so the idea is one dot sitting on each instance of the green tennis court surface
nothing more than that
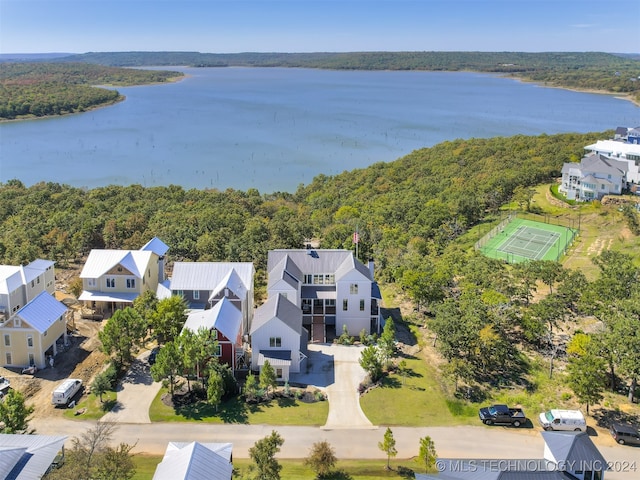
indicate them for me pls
(520, 240)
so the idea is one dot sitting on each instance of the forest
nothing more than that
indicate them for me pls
(42, 89)
(66, 85)
(418, 218)
(580, 70)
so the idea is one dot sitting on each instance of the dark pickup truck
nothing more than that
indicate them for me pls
(503, 415)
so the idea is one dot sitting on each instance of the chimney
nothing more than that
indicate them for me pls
(370, 265)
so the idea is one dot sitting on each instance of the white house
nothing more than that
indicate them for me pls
(196, 461)
(277, 335)
(113, 279)
(25, 457)
(567, 456)
(204, 284)
(594, 177)
(332, 288)
(621, 150)
(32, 321)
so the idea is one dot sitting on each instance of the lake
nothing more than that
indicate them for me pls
(275, 128)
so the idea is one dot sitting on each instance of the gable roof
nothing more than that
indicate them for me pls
(10, 278)
(287, 271)
(156, 246)
(100, 262)
(310, 261)
(600, 164)
(41, 312)
(35, 269)
(233, 282)
(195, 461)
(192, 276)
(224, 316)
(25, 457)
(574, 448)
(278, 306)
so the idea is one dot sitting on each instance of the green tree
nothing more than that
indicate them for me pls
(251, 388)
(321, 459)
(146, 305)
(123, 334)
(169, 317)
(370, 362)
(387, 342)
(168, 365)
(215, 388)
(14, 414)
(101, 384)
(586, 377)
(116, 463)
(268, 377)
(427, 454)
(388, 446)
(263, 454)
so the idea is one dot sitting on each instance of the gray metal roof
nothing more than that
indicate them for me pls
(233, 282)
(601, 164)
(207, 276)
(26, 457)
(41, 312)
(195, 461)
(277, 358)
(224, 316)
(310, 261)
(574, 448)
(35, 269)
(279, 307)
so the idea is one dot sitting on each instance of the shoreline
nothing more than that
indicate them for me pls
(121, 98)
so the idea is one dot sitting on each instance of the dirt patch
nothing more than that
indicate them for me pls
(82, 359)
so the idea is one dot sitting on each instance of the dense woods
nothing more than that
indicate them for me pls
(415, 217)
(580, 70)
(41, 89)
(65, 85)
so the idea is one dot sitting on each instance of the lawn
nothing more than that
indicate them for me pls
(279, 411)
(294, 468)
(94, 409)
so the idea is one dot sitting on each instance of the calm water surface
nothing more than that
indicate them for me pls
(273, 129)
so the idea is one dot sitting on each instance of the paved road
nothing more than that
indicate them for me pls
(335, 369)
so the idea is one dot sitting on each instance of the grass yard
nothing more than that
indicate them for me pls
(294, 468)
(279, 411)
(94, 409)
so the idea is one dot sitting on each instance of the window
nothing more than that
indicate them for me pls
(32, 360)
(9, 359)
(362, 304)
(91, 282)
(38, 281)
(308, 279)
(275, 342)
(196, 294)
(131, 283)
(33, 283)
(329, 279)
(345, 304)
(179, 293)
(30, 341)
(278, 373)
(353, 289)
(7, 340)
(306, 306)
(330, 302)
(111, 282)
(218, 352)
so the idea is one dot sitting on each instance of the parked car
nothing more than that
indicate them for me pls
(4, 384)
(624, 433)
(503, 415)
(63, 394)
(153, 355)
(567, 420)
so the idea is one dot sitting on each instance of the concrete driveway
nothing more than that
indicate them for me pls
(336, 370)
(136, 391)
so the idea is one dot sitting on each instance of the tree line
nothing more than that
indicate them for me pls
(41, 89)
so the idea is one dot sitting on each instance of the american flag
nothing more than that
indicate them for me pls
(356, 237)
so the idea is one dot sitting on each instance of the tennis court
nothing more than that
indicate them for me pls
(517, 240)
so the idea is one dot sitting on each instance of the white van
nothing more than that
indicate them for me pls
(571, 420)
(63, 394)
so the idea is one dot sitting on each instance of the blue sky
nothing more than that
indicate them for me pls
(218, 26)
